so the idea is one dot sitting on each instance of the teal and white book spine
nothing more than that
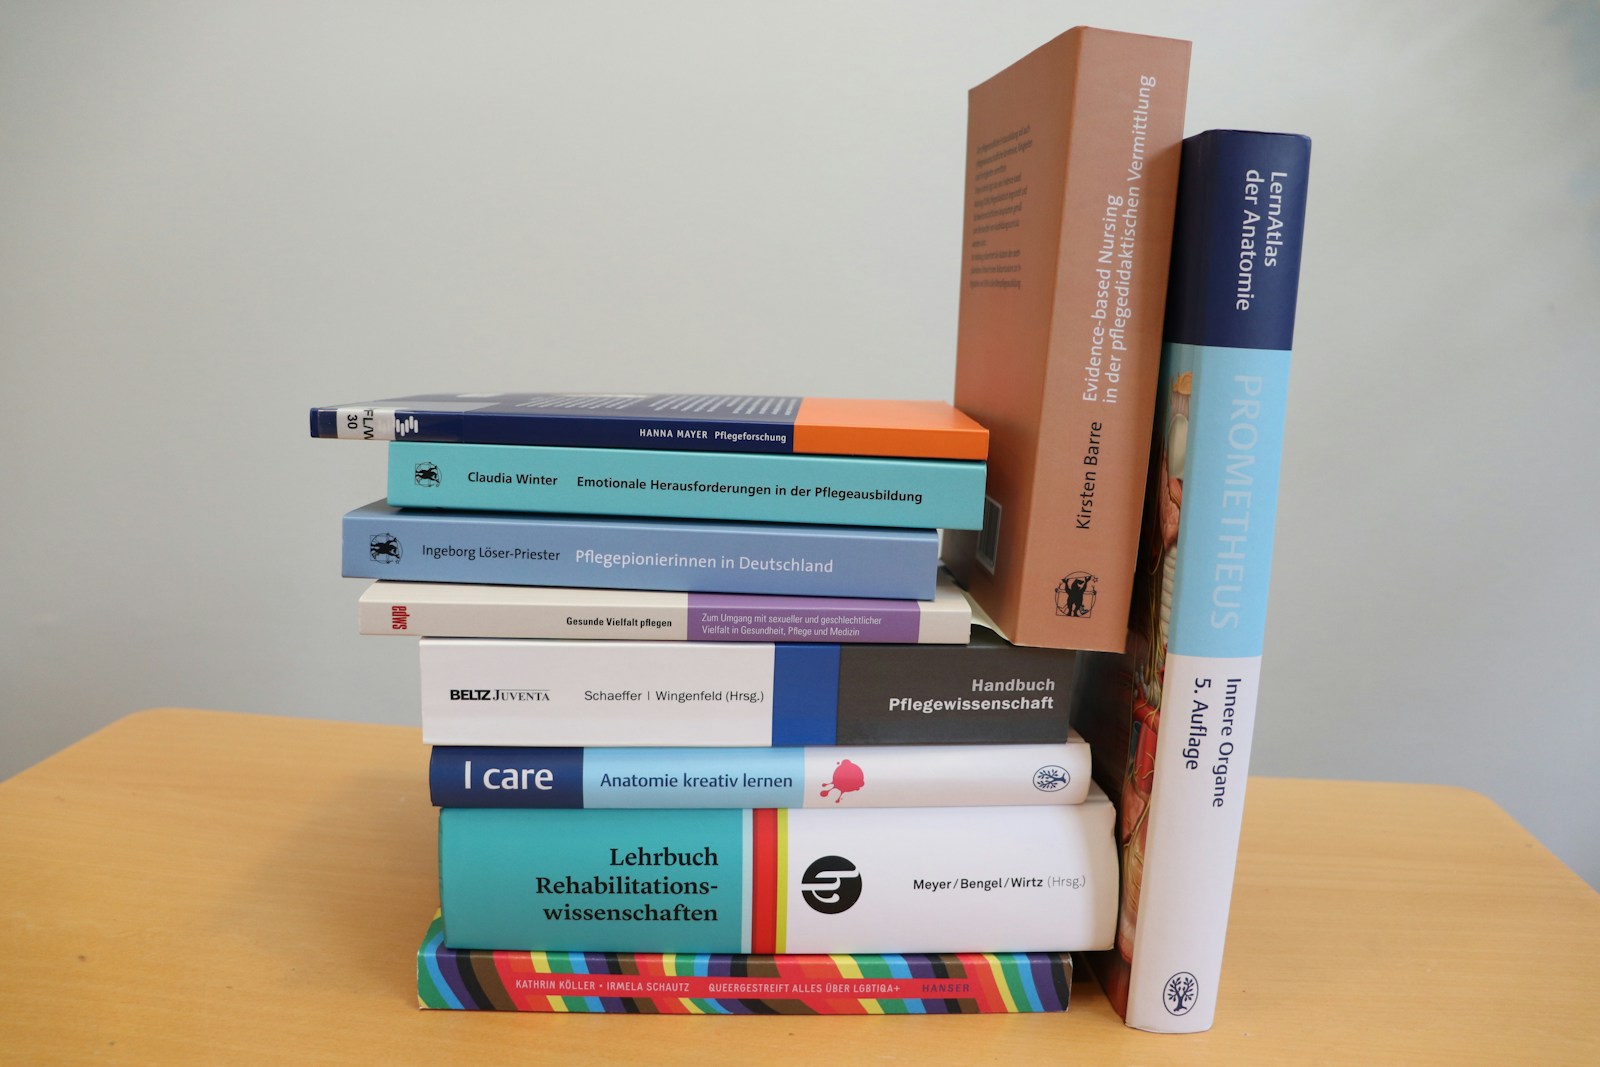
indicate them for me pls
(1038, 878)
(821, 490)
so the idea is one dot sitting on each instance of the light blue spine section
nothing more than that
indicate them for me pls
(1230, 497)
(693, 777)
(831, 490)
(579, 962)
(611, 553)
(430, 952)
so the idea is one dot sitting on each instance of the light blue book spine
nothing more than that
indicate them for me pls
(605, 553)
(831, 490)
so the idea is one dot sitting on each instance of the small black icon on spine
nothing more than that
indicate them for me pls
(384, 548)
(427, 474)
(831, 885)
(1076, 594)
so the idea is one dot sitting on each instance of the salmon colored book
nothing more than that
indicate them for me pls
(1072, 175)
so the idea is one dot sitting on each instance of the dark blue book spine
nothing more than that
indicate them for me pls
(373, 424)
(520, 777)
(1236, 264)
(697, 434)
(713, 424)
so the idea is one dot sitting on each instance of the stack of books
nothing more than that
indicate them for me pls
(694, 754)
(862, 805)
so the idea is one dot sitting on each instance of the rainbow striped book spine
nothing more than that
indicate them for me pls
(643, 983)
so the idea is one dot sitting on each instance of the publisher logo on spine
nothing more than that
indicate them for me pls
(1178, 996)
(427, 474)
(1051, 779)
(1076, 594)
(384, 548)
(536, 695)
(831, 885)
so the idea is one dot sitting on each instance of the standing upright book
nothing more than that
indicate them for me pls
(698, 422)
(1072, 173)
(1194, 650)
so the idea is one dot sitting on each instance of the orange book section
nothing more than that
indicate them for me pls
(926, 429)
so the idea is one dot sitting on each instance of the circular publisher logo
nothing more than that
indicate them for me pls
(1051, 779)
(1180, 993)
(1076, 594)
(831, 885)
(384, 548)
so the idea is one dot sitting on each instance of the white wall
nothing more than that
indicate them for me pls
(215, 216)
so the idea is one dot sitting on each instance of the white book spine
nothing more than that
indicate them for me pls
(560, 693)
(1192, 841)
(1025, 878)
(443, 609)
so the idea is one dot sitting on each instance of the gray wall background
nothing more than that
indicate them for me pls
(213, 216)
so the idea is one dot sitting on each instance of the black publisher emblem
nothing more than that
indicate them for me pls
(831, 885)
(384, 548)
(1076, 594)
(1180, 993)
(427, 474)
(1051, 779)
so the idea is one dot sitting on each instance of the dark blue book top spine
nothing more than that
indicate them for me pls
(492, 427)
(439, 426)
(515, 420)
(1236, 240)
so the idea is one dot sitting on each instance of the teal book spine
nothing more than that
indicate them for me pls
(1037, 878)
(753, 487)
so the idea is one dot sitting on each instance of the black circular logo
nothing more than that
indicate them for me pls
(384, 548)
(1076, 594)
(1180, 993)
(831, 885)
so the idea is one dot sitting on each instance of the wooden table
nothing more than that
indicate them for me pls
(223, 888)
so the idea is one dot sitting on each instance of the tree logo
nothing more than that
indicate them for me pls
(1051, 778)
(831, 885)
(1180, 993)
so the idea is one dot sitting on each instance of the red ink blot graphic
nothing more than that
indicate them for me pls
(847, 778)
